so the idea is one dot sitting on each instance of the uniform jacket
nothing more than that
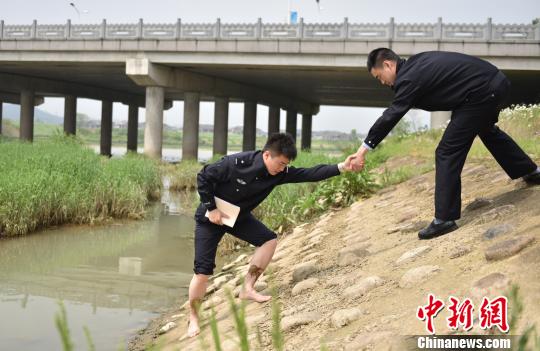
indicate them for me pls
(242, 179)
(436, 81)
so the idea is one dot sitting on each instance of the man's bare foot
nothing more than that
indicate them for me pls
(193, 328)
(253, 295)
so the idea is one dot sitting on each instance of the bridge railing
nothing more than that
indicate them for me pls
(268, 31)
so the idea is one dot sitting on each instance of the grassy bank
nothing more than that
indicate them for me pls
(171, 138)
(60, 181)
(522, 123)
(291, 204)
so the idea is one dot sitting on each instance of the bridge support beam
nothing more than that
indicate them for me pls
(133, 128)
(250, 126)
(70, 114)
(439, 119)
(26, 131)
(15, 98)
(143, 72)
(190, 131)
(47, 87)
(221, 125)
(273, 119)
(153, 130)
(292, 117)
(106, 128)
(306, 131)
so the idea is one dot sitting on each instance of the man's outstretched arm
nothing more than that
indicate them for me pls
(403, 101)
(317, 173)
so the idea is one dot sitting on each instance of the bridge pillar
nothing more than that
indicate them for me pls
(221, 125)
(250, 126)
(133, 128)
(292, 117)
(106, 127)
(70, 114)
(190, 131)
(153, 129)
(439, 119)
(26, 131)
(1, 117)
(273, 119)
(306, 131)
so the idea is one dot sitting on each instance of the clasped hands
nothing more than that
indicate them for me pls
(356, 161)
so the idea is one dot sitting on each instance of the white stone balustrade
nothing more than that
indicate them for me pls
(266, 31)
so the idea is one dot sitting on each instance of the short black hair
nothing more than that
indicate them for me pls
(377, 56)
(281, 144)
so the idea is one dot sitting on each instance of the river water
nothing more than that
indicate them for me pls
(111, 278)
(168, 154)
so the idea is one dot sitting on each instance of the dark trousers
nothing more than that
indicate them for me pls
(468, 121)
(208, 235)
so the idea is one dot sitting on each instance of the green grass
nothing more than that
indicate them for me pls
(522, 123)
(171, 138)
(63, 328)
(529, 340)
(291, 204)
(59, 181)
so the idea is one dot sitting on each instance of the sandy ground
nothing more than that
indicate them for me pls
(367, 263)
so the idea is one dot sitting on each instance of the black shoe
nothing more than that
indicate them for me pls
(532, 179)
(434, 230)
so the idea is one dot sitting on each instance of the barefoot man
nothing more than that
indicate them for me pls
(244, 179)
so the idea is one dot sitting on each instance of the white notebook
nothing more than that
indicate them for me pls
(229, 209)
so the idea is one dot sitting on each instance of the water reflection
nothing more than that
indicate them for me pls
(112, 278)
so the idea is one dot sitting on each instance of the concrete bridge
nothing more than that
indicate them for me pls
(292, 67)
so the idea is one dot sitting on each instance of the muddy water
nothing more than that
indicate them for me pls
(111, 278)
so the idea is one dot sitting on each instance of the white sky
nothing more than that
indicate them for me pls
(167, 11)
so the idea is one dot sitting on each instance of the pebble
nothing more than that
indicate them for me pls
(417, 275)
(459, 251)
(363, 287)
(343, 317)
(359, 250)
(345, 278)
(304, 285)
(498, 230)
(412, 254)
(219, 281)
(290, 322)
(490, 284)
(167, 327)
(478, 203)
(303, 270)
(497, 212)
(348, 259)
(507, 248)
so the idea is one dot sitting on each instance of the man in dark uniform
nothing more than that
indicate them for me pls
(474, 90)
(245, 180)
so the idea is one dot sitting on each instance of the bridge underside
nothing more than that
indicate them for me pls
(319, 86)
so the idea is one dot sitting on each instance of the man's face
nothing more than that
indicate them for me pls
(386, 73)
(274, 163)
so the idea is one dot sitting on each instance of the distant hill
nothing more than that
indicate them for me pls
(9, 129)
(13, 112)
